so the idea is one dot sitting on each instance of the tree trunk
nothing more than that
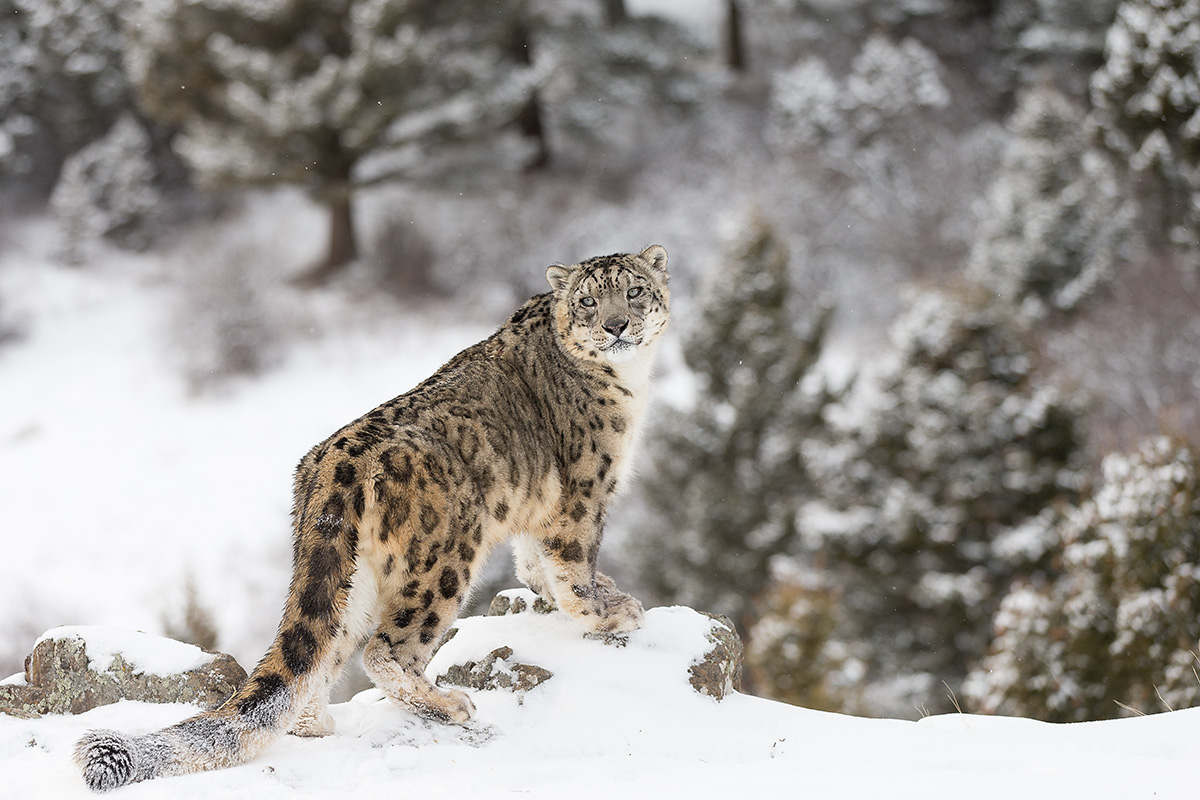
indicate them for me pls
(615, 11)
(530, 123)
(529, 120)
(343, 246)
(735, 37)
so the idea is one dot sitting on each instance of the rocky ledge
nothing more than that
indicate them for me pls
(705, 647)
(75, 669)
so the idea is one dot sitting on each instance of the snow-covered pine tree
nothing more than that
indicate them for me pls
(328, 96)
(608, 78)
(795, 651)
(889, 84)
(107, 190)
(726, 476)
(1060, 38)
(61, 84)
(1118, 628)
(959, 32)
(928, 496)
(1055, 222)
(1147, 104)
(881, 143)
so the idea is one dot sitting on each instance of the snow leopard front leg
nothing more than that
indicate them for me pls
(560, 566)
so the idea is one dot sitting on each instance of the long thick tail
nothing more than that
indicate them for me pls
(296, 671)
(110, 758)
(282, 688)
(262, 710)
(291, 681)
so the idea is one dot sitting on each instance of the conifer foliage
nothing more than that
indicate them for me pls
(796, 651)
(931, 495)
(61, 83)
(607, 80)
(107, 190)
(727, 474)
(1118, 629)
(1056, 223)
(329, 96)
(1062, 40)
(889, 84)
(1147, 100)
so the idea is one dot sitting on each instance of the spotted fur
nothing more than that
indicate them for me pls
(525, 436)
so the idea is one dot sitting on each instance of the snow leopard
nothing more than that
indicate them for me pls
(524, 437)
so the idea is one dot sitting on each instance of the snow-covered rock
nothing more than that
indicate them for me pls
(495, 671)
(76, 669)
(708, 654)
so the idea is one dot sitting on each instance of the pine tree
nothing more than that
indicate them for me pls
(329, 96)
(727, 475)
(795, 652)
(107, 190)
(889, 84)
(607, 79)
(930, 496)
(878, 141)
(1118, 629)
(1060, 39)
(1147, 103)
(62, 85)
(1055, 223)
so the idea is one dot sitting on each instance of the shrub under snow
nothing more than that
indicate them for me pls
(1119, 627)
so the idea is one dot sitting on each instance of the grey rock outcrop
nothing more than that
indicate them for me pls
(512, 602)
(494, 671)
(62, 678)
(719, 672)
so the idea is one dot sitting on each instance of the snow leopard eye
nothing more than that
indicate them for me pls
(588, 302)
(633, 292)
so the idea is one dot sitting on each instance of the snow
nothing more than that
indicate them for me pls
(703, 18)
(141, 651)
(624, 721)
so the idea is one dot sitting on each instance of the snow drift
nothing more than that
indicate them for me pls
(623, 719)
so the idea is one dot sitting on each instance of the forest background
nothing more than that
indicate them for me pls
(927, 428)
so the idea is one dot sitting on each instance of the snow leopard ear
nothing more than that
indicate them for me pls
(558, 276)
(655, 257)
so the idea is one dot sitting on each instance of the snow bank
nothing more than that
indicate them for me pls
(622, 720)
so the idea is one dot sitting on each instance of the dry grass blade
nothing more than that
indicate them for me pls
(953, 697)
(1130, 709)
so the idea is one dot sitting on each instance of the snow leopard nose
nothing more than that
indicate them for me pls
(615, 325)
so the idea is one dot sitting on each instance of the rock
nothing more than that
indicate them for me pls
(719, 672)
(19, 700)
(494, 672)
(708, 657)
(72, 670)
(515, 601)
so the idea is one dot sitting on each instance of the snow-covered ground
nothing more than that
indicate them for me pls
(623, 721)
